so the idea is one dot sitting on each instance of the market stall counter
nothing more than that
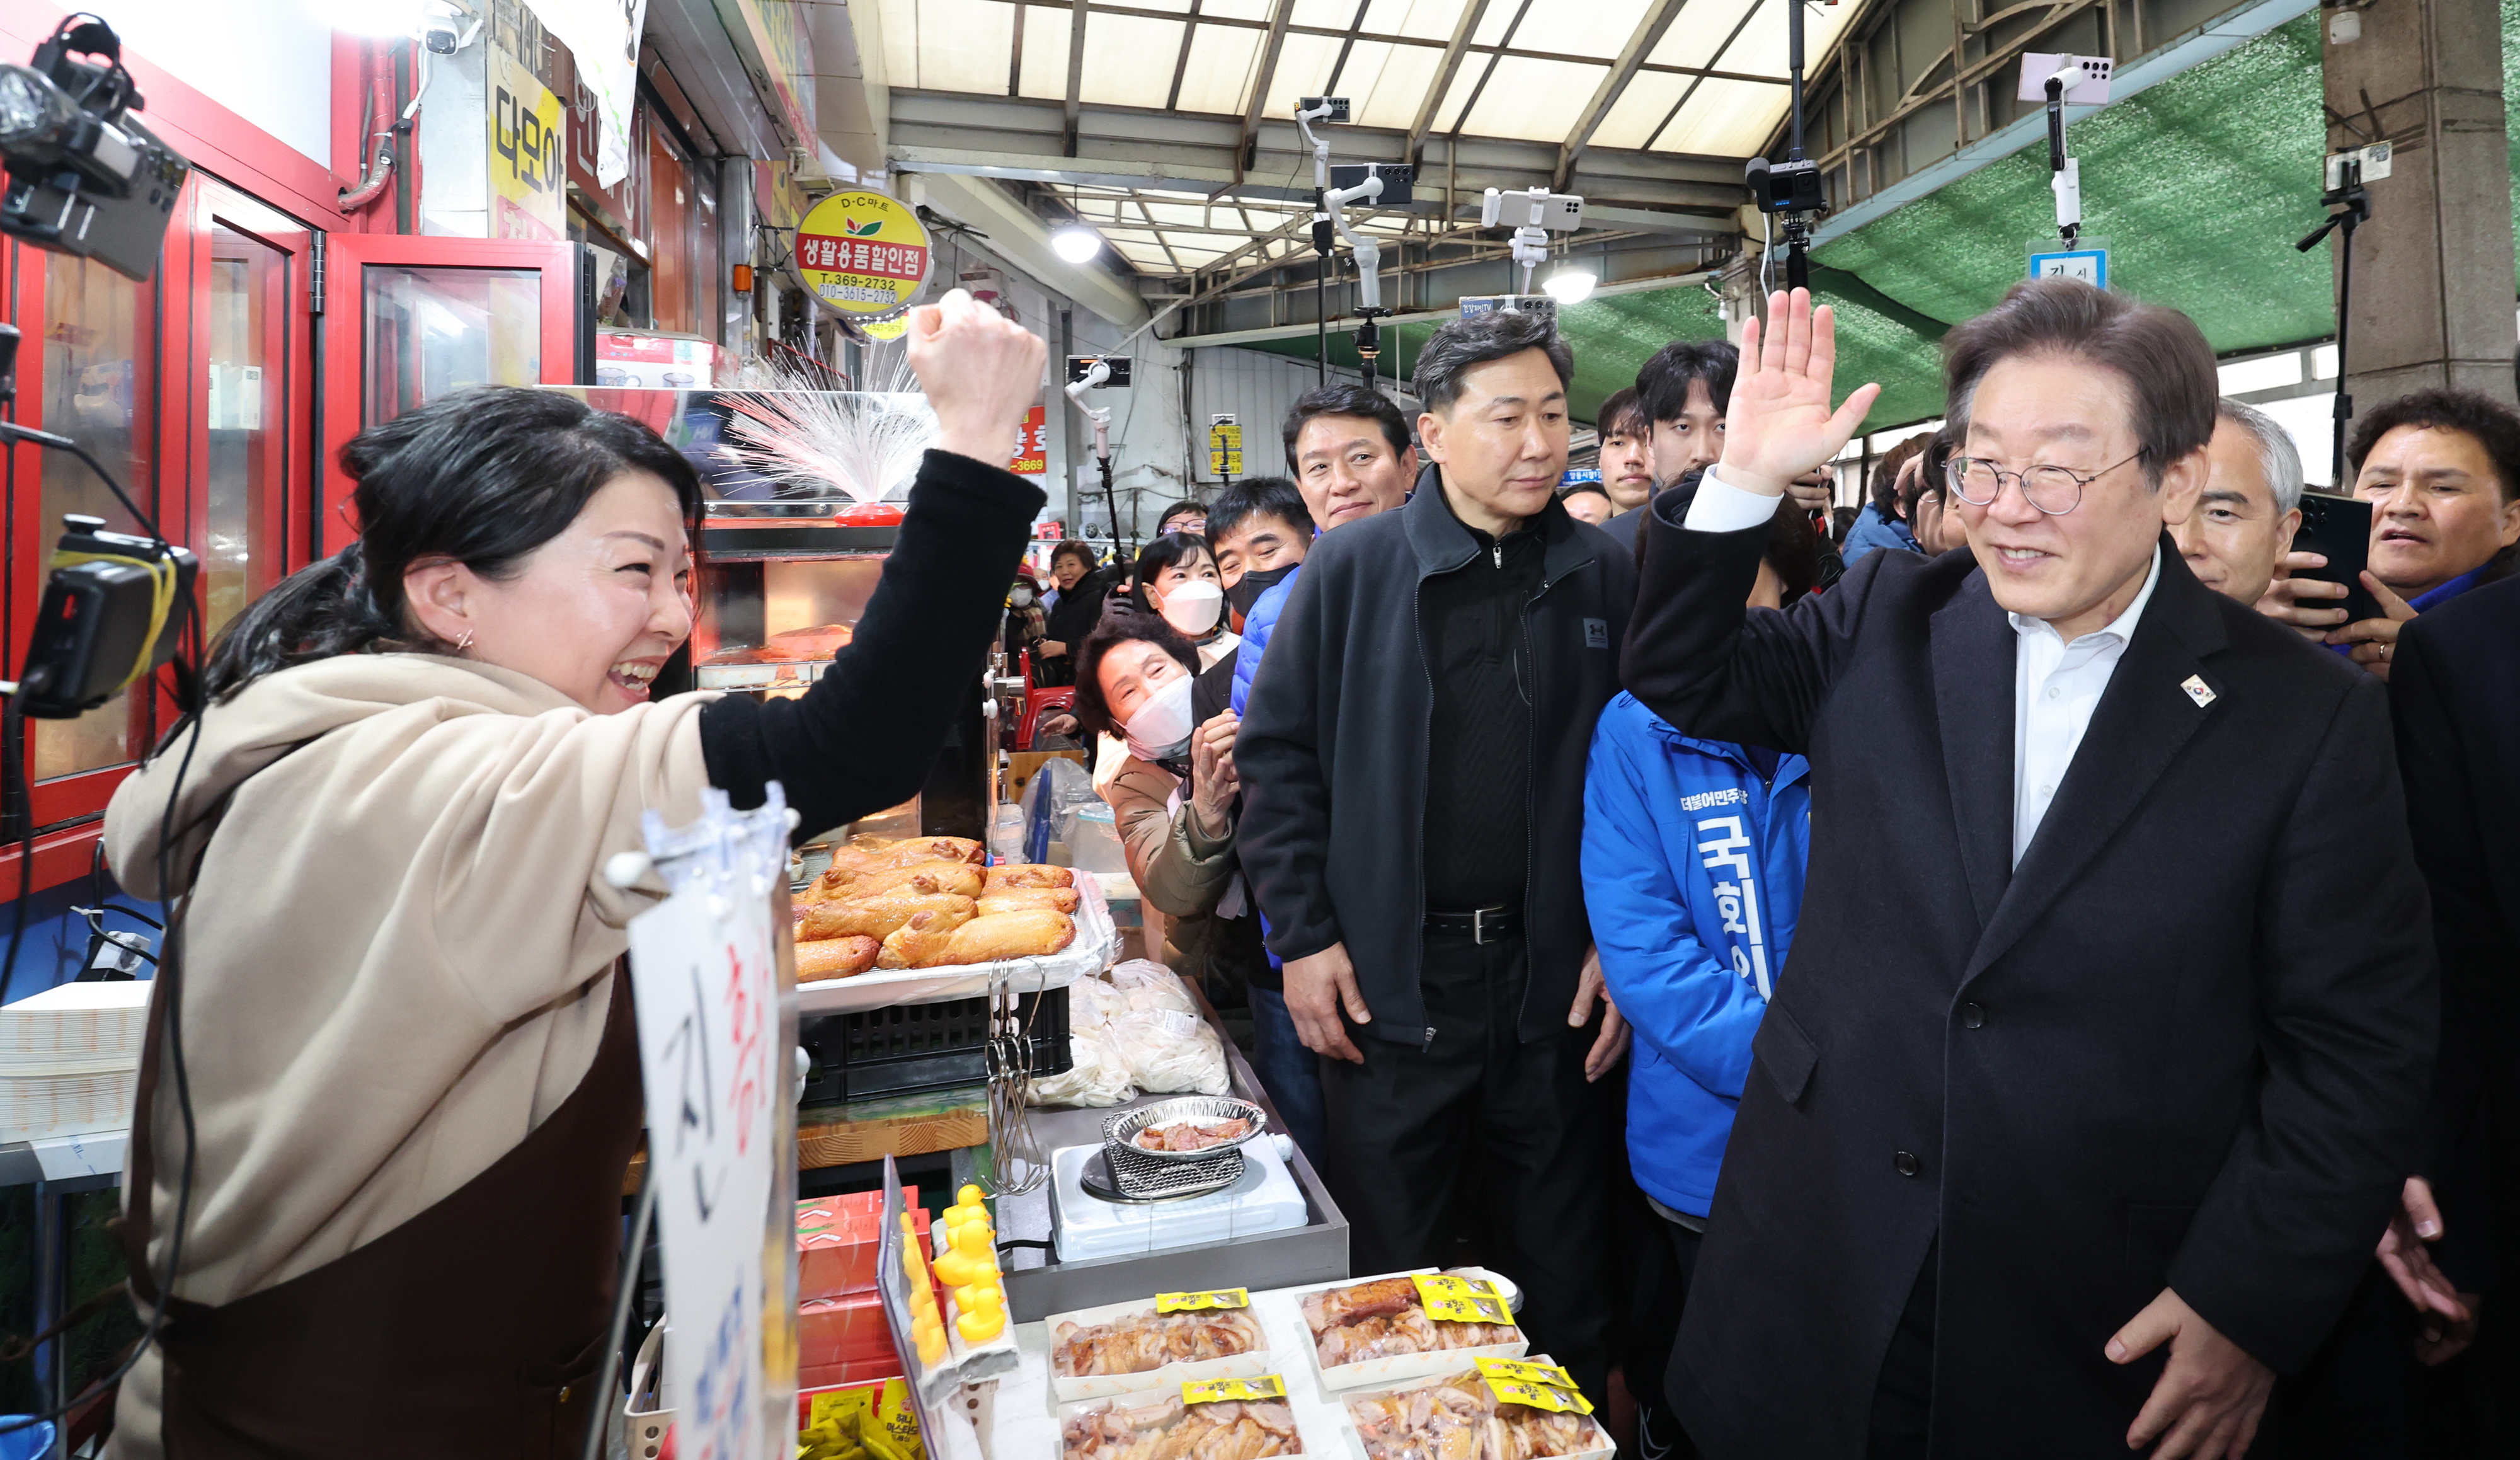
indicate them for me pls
(1271, 1225)
(1399, 1382)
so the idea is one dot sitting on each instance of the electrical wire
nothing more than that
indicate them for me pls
(168, 992)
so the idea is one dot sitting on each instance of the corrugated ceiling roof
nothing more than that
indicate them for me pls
(2201, 184)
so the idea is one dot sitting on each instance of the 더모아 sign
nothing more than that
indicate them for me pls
(706, 983)
(862, 253)
(528, 153)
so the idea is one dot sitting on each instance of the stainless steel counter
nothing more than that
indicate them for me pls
(1037, 1284)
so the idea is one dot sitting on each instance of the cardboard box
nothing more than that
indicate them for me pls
(1603, 1448)
(836, 1242)
(848, 1330)
(1069, 1388)
(1395, 1368)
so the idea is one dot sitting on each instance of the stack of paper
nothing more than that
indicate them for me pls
(70, 1059)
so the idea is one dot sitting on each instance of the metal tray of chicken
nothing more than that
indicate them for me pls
(1125, 1128)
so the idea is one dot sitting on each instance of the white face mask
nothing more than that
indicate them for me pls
(1160, 729)
(1023, 598)
(1193, 607)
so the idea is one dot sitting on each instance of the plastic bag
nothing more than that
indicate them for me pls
(1100, 1073)
(1169, 1048)
(1170, 1052)
(1149, 986)
(1099, 1076)
(1057, 790)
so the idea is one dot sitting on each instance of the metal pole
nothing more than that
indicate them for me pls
(2344, 322)
(1794, 65)
(52, 1261)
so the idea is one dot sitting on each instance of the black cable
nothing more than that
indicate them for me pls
(16, 800)
(633, 1252)
(169, 980)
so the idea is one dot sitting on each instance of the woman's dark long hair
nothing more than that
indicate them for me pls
(480, 476)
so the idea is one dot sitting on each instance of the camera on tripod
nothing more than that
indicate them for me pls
(85, 177)
(1791, 186)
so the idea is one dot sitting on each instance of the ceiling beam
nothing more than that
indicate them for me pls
(1075, 73)
(1279, 16)
(1674, 113)
(1453, 49)
(2188, 48)
(1181, 63)
(1023, 239)
(1692, 280)
(1657, 18)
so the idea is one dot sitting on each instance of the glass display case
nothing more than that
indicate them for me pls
(789, 559)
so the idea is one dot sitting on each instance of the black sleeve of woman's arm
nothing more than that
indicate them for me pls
(864, 736)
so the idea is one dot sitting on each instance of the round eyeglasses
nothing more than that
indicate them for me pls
(2054, 490)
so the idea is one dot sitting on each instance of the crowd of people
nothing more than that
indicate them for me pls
(2136, 1082)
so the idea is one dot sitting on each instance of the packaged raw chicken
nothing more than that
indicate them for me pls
(1461, 1416)
(1165, 1428)
(1143, 1339)
(1386, 1317)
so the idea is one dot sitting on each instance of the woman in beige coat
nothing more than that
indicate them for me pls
(1172, 797)
(392, 1208)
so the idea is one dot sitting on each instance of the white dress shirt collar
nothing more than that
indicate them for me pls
(2056, 687)
(2122, 626)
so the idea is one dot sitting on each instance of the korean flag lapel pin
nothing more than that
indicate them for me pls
(2197, 689)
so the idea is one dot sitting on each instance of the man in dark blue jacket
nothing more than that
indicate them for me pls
(1413, 764)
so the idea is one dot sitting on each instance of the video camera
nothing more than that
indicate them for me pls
(85, 177)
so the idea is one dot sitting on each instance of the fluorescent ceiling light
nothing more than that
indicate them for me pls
(1076, 242)
(1569, 285)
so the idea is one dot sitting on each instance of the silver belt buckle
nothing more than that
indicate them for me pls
(1479, 926)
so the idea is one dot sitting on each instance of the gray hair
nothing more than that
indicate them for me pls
(2278, 457)
(1464, 344)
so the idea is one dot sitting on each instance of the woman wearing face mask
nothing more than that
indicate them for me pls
(411, 1064)
(1173, 796)
(1177, 582)
(1025, 615)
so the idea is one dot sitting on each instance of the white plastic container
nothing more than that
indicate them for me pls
(1392, 1369)
(1354, 1440)
(1070, 1389)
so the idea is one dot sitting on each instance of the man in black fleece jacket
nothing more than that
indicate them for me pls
(1413, 760)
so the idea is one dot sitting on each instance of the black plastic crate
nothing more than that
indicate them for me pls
(915, 1047)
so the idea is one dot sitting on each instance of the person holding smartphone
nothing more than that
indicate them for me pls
(2441, 471)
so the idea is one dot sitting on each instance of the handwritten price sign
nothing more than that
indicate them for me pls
(704, 980)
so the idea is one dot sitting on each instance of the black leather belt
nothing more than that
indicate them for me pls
(1486, 925)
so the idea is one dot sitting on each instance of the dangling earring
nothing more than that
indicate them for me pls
(464, 643)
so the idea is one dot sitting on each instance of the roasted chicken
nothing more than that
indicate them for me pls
(1029, 875)
(929, 940)
(1001, 898)
(878, 915)
(836, 957)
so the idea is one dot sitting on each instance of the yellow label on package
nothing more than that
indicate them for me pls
(1185, 1302)
(1539, 1386)
(1452, 1300)
(1214, 1390)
